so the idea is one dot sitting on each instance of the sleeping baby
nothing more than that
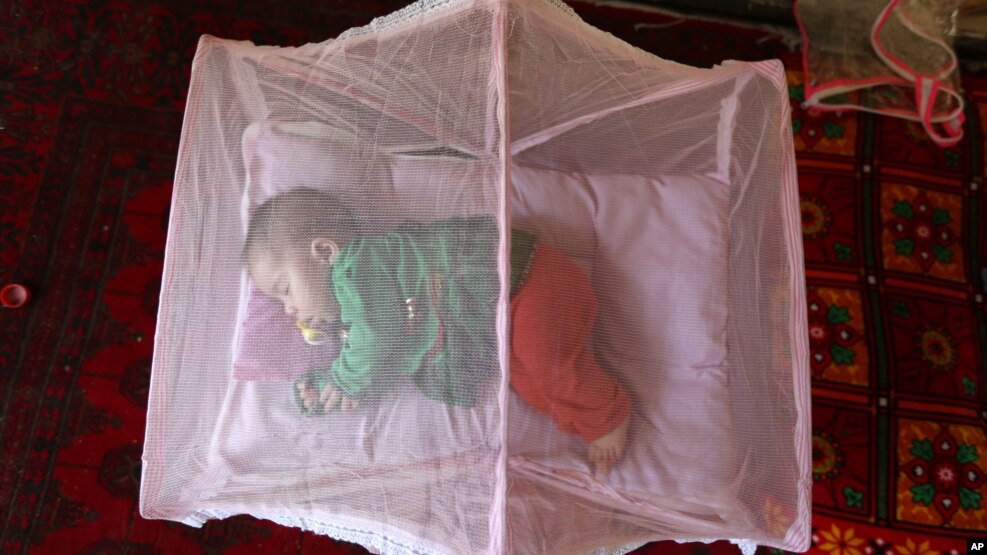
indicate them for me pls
(420, 302)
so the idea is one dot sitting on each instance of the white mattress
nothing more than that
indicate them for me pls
(643, 241)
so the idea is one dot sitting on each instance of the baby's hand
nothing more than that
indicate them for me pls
(307, 394)
(311, 398)
(331, 397)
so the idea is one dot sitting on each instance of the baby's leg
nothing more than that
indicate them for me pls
(552, 368)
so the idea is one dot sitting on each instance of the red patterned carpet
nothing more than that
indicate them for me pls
(91, 99)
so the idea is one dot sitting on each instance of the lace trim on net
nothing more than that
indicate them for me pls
(422, 7)
(399, 17)
(373, 541)
(747, 547)
(383, 545)
(406, 14)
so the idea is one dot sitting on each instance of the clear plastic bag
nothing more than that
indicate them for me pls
(892, 57)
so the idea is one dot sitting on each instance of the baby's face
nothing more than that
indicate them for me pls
(300, 282)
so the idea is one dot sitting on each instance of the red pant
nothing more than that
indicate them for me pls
(552, 368)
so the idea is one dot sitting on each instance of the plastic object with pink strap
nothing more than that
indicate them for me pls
(888, 57)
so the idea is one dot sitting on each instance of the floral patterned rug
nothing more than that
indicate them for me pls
(91, 100)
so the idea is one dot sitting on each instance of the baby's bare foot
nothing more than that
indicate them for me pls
(607, 451)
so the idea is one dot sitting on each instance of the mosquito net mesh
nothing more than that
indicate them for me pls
(480, 278)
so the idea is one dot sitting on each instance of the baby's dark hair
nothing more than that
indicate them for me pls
(286, 220)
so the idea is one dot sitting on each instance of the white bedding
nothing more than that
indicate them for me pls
(643, 241)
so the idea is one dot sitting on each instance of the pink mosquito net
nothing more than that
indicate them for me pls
(480, 278)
